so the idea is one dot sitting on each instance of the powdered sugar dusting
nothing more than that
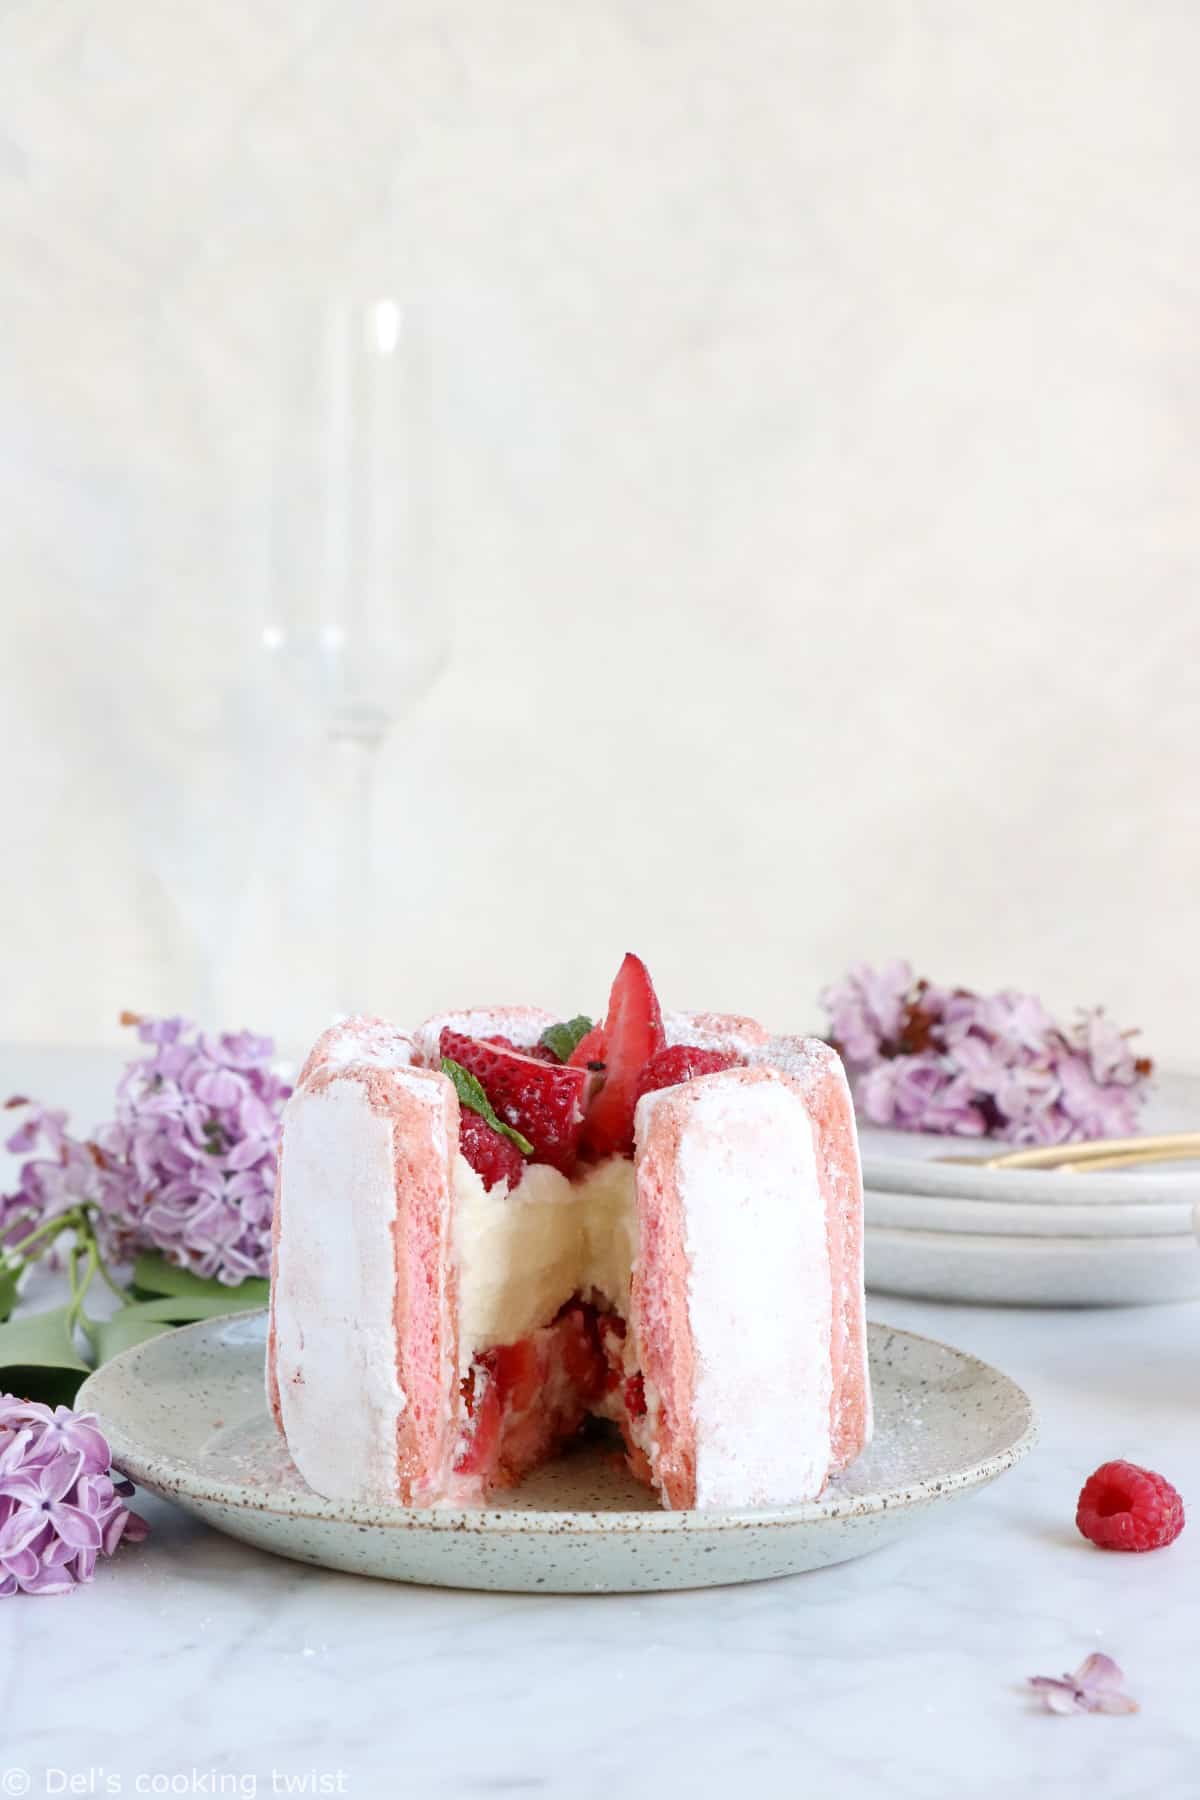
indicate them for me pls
(716, 1031)
(335, 1284)
(359, 1039)
(806, 1059)
(522, 1025)
(760, 1288)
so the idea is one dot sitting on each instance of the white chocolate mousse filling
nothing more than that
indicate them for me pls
(524, 1253)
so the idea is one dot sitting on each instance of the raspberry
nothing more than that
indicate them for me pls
(681, 1063)
(1123, 1507)
(543, 1101)
(633, 1031)
(492, 1156)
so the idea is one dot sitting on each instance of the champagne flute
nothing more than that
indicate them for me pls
(352, 623)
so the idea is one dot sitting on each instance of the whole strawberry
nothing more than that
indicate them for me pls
(542, 1100)
(682, 1062)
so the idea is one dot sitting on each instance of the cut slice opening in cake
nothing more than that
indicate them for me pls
(525, 1401)
(544, 1292)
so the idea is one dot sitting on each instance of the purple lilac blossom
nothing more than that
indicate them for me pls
(1096, 1687)
(187, 1167)
(925, 1058)
(60, 1507)
(67, 1176)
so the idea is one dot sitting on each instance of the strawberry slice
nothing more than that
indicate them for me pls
(543, 1101)
(633, 1032)
(682, 1062)
(492, 1156)
(542, 1053)
(590, 1049)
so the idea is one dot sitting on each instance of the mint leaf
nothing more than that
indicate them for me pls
(565, 1038)
(470, 1093)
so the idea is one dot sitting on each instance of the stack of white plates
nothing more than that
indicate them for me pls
(945, 1231)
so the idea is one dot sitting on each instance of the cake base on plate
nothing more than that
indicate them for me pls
(186, 1418)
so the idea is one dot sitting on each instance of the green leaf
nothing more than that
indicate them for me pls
(146, 1319)
(38, 1357)
(126, 1328)
(40, 1339)
(564, 1039)
(153, 1274)
(8, 1290)
(471, 1094)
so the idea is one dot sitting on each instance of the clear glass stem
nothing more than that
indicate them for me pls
(355, 756)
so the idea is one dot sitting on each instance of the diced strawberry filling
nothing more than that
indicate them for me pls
(523, 1401)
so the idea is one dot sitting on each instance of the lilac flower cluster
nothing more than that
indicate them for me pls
(926, 1058)
(67, 1175)
(59, 1506)
(187, 1167)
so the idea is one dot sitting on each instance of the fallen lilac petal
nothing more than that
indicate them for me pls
(1115, 1703)
(1096, 1686)
(1099, 1671)
(1059, 1696)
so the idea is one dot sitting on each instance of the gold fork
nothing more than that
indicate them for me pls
(1093, 1155)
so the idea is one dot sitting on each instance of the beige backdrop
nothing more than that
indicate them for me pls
(816, 453)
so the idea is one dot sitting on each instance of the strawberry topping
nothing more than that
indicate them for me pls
(633, 1032)
(541, 1052)
(492, 1156)
(590, 1050)
(542, 1100)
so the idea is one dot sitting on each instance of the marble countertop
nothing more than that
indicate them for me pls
(194, 1665)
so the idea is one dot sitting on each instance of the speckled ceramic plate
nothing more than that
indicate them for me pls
(909, 1162)
(186, 1417)
(1032, 1271)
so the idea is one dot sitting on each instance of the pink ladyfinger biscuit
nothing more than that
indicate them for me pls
(819, 1071)
(338, 1044)
(741, 1298)
(717, 1031)
(521, 1025)
(841, 1184)
(362, 1338)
